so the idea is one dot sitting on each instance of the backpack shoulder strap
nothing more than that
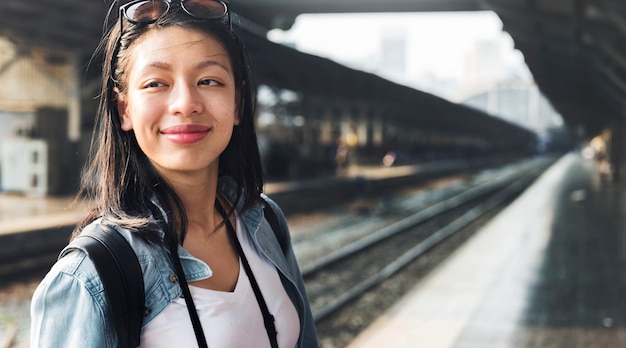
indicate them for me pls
(121, 276)
(272, 219)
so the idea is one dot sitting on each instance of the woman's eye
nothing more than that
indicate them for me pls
(154, 84)
(208, 82)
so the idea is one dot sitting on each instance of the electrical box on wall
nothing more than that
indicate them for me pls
(24, 166)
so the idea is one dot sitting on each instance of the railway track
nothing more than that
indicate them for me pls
(24, 255)
(346, 275)
(337, 306)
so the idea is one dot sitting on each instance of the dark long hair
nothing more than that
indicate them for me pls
(119, 179)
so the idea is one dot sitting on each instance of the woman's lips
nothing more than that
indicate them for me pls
(185, 134)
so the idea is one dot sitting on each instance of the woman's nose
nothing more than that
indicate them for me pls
(184, 100)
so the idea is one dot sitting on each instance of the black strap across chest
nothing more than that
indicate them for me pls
(268, 318)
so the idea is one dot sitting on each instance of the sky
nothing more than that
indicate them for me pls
(441, 55)
(437, 43)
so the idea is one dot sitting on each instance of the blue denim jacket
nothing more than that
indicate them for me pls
(69, 308)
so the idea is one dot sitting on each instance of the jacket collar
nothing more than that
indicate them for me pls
(227, 187)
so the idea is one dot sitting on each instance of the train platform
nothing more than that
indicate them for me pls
(548, 271)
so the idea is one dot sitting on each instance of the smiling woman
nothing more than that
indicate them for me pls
(176, 171)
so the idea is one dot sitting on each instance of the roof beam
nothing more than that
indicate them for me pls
(284, 12)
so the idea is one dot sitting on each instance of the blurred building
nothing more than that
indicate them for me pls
(393, 53)
(505, 91)
(37, 96)
(484, 65)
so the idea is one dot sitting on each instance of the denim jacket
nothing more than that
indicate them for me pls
(69, 308)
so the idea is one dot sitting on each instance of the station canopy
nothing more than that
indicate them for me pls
(575, 49)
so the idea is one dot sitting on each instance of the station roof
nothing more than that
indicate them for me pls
(575, 49)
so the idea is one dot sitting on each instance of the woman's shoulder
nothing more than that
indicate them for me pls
(152, 257)
(72, 282)
(140, 244)
(74, 275)
(74, 262)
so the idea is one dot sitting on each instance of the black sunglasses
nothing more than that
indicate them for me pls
(149, 11)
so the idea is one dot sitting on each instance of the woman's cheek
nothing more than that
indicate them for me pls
(151, 109)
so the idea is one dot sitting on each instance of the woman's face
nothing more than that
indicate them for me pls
(180, 99)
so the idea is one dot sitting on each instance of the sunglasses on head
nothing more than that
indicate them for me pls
(149, 11)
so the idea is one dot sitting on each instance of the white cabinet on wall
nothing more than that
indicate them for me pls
(24, 164)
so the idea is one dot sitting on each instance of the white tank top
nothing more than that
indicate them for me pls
(229, 319)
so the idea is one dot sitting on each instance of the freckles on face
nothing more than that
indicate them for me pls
(180, 100)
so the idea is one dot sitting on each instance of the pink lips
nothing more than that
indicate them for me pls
(185, 134)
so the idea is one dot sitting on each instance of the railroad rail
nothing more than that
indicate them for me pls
(347, 274)
(28, 253)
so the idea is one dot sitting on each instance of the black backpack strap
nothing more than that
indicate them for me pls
(272, 219)
(121, 276)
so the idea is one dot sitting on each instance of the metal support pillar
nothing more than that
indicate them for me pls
(74, 102)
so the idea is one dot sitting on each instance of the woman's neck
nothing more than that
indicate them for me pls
(198, 195)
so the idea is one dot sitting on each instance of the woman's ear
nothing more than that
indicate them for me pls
(122, 111)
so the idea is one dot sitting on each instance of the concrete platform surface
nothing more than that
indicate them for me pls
(549, 271)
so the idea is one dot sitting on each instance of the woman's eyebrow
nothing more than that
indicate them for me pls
(160, 65)
(211, 62)
(201, 65)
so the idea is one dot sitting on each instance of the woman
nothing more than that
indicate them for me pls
(177, 172)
